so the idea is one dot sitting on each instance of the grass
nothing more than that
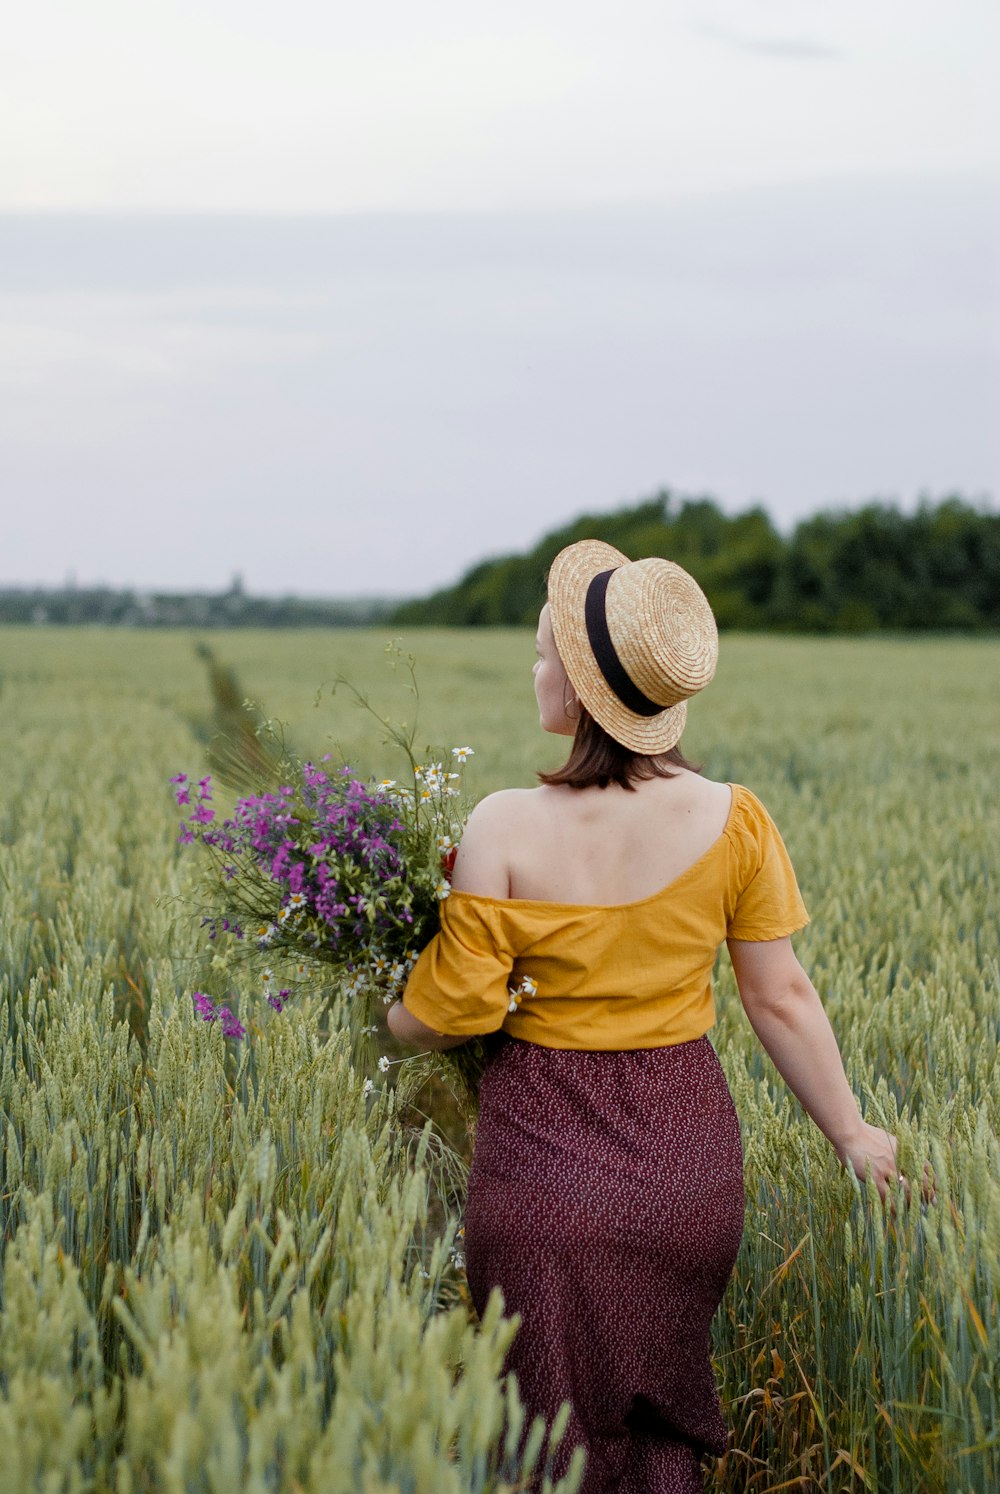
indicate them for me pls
(224, 1267)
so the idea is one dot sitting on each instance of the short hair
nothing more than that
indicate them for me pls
(597, 759)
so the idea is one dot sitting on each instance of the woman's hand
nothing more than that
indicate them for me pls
(788, 1017)
(874, 1146)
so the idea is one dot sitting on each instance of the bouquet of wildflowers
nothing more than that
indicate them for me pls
(323, 869)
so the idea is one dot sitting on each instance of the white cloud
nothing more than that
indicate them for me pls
(794, 48)
(312, 107)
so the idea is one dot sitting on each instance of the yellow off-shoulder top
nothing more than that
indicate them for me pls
(628, 975)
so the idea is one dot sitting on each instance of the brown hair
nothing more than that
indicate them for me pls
(597, 759)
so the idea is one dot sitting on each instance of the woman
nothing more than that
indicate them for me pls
(606, 1193)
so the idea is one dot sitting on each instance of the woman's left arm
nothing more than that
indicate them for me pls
(787, 1015)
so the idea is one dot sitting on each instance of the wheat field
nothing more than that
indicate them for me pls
(226, 1268)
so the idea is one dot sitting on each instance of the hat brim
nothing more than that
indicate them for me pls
(569, 580)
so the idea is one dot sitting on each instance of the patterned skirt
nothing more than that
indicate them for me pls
(606, 1203)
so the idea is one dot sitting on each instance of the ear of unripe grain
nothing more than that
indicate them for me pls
(224, 1268)
(217, 1272)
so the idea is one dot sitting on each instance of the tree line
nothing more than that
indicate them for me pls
(859, 570)
(105, 606)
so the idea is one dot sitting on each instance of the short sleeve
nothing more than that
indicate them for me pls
(768, 902)
(459, 984)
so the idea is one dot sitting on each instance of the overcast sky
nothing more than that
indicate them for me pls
(477, 269)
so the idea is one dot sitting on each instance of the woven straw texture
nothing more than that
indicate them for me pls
(662, 629)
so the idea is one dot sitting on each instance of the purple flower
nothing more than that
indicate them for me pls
(186, 836)
(204, 1006)
(231, 1028)
(205, 787)
(327, 843)
(179, 778)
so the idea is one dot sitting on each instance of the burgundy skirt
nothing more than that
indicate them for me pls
(606, 1203)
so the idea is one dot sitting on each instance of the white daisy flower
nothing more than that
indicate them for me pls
(462, 753)
(367, 1088)
(397, 972)
(383, 1065)
(444, 842)
(387, 784)
(526, 987)
(297, 900)
(442, 890)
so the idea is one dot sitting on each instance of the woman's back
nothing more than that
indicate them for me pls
(595, 846)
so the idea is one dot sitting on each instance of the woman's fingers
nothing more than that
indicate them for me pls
(876, 1150)
(893, 1175)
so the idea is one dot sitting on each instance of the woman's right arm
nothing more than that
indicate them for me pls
(787, 1015)
(480, 868)
(482, 865)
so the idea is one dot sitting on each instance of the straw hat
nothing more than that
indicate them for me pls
(636, 637)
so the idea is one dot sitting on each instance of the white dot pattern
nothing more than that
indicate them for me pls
(606, 1202)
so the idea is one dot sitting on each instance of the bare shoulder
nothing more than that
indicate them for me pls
(697, 783)
(685, 793)
(498, 818)
(711, 791)
(483, 862)
(495, 808)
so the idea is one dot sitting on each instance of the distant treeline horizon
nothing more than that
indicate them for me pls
(125, 607)
(867, 569)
